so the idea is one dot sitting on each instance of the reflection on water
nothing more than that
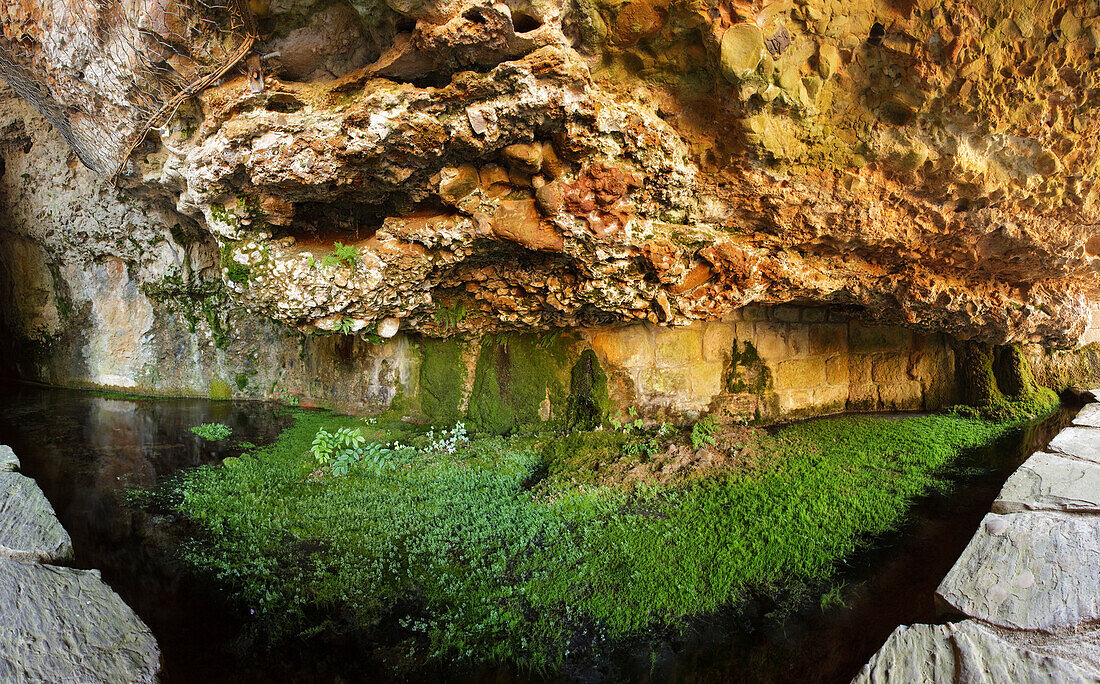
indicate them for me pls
(82, 448)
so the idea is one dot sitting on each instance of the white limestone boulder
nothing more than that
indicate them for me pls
(1052, 483)
(1030, 570)
(963, 652)
(29, 529)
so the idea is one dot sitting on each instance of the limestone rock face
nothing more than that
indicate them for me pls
(1089, 416)
(1054, 483)
(1029, 571)
(963, 652)
(569, 164)
(29, 529)
(1077, 442)
(65, 625)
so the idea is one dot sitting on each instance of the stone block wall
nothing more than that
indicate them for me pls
(776, 362)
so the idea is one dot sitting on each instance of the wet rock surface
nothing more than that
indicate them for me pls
(59, 624)
(29, 529)
(1028, 582)
(1078, 442)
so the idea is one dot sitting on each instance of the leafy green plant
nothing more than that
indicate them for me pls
(237, 272)
(339, 451)
(643, 448)
(212, 432)
(287, 398)
(348, 254)
(346, 326)
(450, 317)
(702, 433)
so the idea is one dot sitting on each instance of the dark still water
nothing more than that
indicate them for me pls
(83, 449)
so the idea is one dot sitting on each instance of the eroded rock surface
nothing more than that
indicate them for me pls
(1089, 416)
(1078, 442)
(66, 625)
(1029, 571)
(576, 163)
(1052, 483)
(963, 652)
(29, 529)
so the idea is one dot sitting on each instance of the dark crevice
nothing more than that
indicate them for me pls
(524, 23)
(877, 32)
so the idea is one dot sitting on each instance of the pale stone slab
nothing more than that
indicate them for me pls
(1051, 483)
(29, 529)
(65, 625)
(1029, 571)
(963, 652)
(8, 459)
(1088, 416)
(1079, 442)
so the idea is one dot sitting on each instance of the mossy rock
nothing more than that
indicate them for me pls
(515, 376)
(220, 390)
(588, 396)
(442, 381)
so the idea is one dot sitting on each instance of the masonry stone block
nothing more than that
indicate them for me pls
(863, 397)
(800, 373)
(874, 338)
(676, 347)
(890, 368)
(627, 347)
(828, 338)
(837, 370)
(718, 339)
(901, 396)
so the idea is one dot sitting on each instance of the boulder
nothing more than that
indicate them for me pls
(1033, 570)
(962, 652)
(1089, 416)
(741, 52)
(1052, 483)
(8, 460)
(65, 625)
(29, 529)
(1078, 442)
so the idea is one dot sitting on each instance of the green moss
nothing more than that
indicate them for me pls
(976, 379)
(578, 457)
(515, 375)
(220, 389)
(588, 396)
(747, 372)
(442, 381)
(997, 383)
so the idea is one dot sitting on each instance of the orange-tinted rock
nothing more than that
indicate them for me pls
(519, 221)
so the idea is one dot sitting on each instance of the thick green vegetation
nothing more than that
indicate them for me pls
(503, 549)
(213, 432)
